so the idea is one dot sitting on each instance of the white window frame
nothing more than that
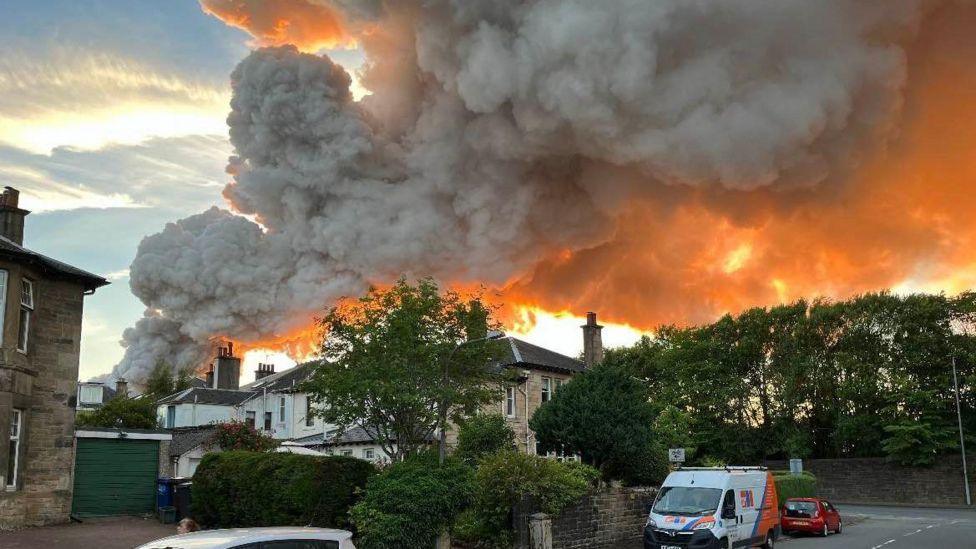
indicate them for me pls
(268, 421)
(369, 453)
(281, 410)
(16, 420)
(251, 418)
(511, 402)
(96, 392)
(26, 310)
(347, 453)
(3, 300)
(309, 416)
(545, 394)
(171, 416)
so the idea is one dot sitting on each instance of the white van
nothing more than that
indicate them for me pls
(714, 508)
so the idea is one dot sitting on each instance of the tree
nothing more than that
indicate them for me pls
(161, 382)
(603, 415)
(395, 365)
(122, 411)
(482, 435)
(237, 435)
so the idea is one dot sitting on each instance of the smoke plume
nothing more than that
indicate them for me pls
(660, 161)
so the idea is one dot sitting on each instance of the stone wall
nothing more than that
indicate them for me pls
(605, 518)
(877, 480)
(41, 383)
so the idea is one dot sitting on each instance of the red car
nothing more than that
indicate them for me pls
(813, 515)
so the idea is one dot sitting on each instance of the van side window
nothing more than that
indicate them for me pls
(729, 501)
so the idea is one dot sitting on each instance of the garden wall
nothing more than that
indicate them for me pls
(601, 519)
(877, 480)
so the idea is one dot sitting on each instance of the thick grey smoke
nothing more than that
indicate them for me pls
(498, 131)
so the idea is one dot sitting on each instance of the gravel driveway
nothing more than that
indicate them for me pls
(107, 533)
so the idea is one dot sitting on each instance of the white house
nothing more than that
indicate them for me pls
(195, 407)
(354, 442)
(187, 449)
(92, 395)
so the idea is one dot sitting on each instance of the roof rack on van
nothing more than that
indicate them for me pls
(726, 468)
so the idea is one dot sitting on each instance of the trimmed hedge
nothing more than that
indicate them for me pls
(794, 486)
(240, 488)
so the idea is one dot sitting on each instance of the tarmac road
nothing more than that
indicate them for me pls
(896, 528)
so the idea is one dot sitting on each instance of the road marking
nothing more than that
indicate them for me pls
(883, 544)
(913, 533)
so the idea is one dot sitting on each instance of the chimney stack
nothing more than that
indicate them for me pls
(210, 377)
(11, 216)
(264, 370)
(121, 388)
(592, 341)
(227, 368)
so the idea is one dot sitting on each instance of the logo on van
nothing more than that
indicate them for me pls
(746, 499)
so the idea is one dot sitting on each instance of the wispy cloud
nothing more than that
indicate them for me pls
(87, 100)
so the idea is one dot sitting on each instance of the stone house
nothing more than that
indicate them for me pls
(41, 301)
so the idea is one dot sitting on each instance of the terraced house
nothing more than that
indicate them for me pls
(41, 301)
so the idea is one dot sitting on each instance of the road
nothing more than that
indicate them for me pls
(897, 528)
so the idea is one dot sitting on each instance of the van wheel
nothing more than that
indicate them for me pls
(769, 541)
(825, 532)
(726, 543)
(840, 526)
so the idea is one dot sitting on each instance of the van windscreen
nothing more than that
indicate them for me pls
(685, 500)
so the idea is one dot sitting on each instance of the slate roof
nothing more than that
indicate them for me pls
(220, 397)
(515, 352)
(353, 435)
(188, 438)
(284, 381)
(197, 382)
(49, 265)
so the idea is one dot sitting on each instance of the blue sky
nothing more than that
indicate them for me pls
(112, 124)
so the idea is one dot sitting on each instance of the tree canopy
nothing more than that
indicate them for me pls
(870, 376)
(162, 382)
(121, 411)
(396, 363)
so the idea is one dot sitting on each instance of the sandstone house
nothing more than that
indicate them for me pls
(41, 303)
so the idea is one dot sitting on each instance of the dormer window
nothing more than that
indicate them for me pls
(26, 310)
(90, 394)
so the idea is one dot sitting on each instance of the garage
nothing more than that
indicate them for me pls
(115, 472)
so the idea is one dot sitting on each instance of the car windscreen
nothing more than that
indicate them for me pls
(801, 508)
(686, 500)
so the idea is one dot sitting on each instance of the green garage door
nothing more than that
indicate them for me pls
(115, 477)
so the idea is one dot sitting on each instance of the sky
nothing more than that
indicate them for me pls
(112, 123)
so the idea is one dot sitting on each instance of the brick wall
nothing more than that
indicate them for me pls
(876, 480)
(41, 383)
(604, 518)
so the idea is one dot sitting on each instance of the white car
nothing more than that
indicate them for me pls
(282, 537)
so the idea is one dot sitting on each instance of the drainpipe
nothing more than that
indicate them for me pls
(525, 403)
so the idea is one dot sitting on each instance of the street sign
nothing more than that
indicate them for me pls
(676, 455)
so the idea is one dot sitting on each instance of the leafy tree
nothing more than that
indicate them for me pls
(237, 435)
(396, 363)
(121, 411)
(603, 415)
(162, 383)
(482, 435)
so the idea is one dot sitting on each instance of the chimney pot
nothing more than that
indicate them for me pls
(592, 341)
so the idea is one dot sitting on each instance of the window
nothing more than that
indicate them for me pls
(26, 308)
(281, 409)
(13, 452)
(90, 394)
(559, 384)
(171, 416)
(267, 421)
(368, 453)
(347, 453)
(510, 401)
(249, 418)
(3, 300)
(309, 416)
(546, 389)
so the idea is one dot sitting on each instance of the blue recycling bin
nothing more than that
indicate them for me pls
(164, 492)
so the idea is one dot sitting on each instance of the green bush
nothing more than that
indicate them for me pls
(648, 467)
(505, 479)
(237, 435)
(240, 488)
(410, 503)
(794, 486)
(483, 435)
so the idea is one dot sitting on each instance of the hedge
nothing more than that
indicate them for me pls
(240, 488)
(794, 486)
(410, 503)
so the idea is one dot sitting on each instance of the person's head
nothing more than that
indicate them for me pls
(186, 526)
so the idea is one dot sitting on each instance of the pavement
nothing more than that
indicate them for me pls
(869, 527)
(107, 533)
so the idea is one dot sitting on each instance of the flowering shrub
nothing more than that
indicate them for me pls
(237, 435)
